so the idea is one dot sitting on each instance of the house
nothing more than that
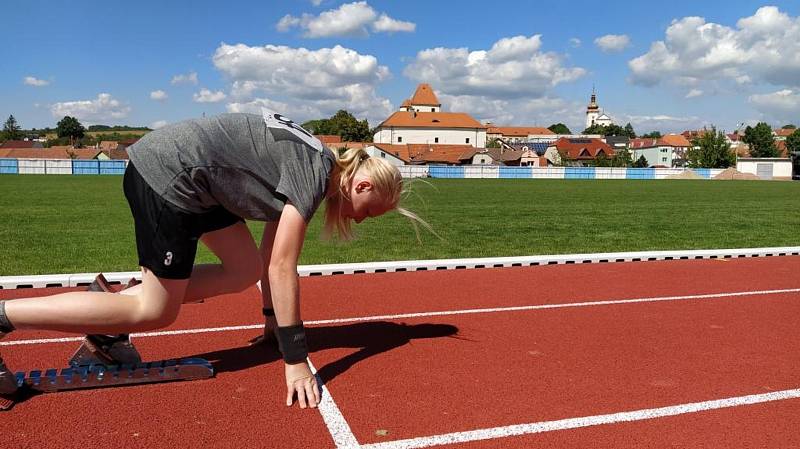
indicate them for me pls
(783, 133)
(328, 139)
(666, 151)
(514, 134)
(424, 154)
(21, 144)
(420, 121)
(579, 151)
(535, 154)
(618, 143)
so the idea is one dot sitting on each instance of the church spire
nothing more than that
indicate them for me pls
(593, 102)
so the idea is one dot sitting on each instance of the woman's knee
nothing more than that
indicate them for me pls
(152, 316)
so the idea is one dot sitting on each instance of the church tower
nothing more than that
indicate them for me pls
(592, 111)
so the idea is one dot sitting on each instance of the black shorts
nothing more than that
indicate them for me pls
(166, 235)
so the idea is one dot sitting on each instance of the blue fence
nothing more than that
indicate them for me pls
(9, 166)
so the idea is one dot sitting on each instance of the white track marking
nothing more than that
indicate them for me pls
(428, 314)
(337, 426)
(586, 421)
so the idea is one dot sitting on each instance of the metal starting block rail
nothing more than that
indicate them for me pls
(99, 375)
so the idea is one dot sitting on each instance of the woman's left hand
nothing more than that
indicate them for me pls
(300, 381)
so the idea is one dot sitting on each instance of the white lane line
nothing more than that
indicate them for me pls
(343, 437)
(429, 314)
(586, 421)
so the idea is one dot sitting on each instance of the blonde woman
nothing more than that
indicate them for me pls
(199, 180)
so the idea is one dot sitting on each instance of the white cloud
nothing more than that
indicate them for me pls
(575, 42)
(511, 68)
(189, 78)
(99, 110)
(661, 122)
(783, 105)
(764, 47)
(350, 19)
(158, 124)
(694, 93)
(316, 2)
(305, 83)
(611, 43)
(158, 95)
(33, 81)
(207, 96)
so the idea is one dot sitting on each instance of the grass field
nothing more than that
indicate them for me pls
(68, 224)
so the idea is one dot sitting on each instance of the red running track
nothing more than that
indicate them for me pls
(417, 377)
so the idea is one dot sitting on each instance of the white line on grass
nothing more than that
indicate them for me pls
(428, 314)
(586, 421)
(337, 426)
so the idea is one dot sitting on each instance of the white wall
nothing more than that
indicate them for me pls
(450, 136)
(654, 156)
(376, 152)
(781, 168)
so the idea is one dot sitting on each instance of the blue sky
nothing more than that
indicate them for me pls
(668, 66)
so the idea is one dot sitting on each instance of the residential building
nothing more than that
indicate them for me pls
(666, 151)
(515, 134)
(783, 133)
(580, 152)
(424, 154)
(52, 153)
(413, 124)
(21, 144)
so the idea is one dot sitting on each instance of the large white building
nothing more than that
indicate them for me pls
(421, 121)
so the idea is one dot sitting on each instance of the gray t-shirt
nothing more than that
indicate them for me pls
(235, 161)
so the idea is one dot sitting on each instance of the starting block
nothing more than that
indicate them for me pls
(100, 375)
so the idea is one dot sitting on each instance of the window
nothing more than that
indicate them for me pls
(467, 139)
(383, 155)
(399, 139)
(435, 140)
(433, 109)
(663, 159)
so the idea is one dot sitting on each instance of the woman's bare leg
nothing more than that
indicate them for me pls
(156, 305)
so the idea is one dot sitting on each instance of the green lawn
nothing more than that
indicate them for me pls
(67, 224)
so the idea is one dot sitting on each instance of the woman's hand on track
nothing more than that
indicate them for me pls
(300, 381)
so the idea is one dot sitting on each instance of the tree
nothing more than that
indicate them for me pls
(595, 129)
(494, 143)
(641, 162)
(559, 128)
(609, 130)
(341, 124)
(629, 131)
(712, 151)
(652, 135)
(70, 127)
(760, 140)
(11, 129)
(793, 142)
(622, 158)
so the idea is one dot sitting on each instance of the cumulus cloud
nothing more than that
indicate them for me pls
(158, 124)
(98, 110)
(350, 19)
(33, 81)
(694, 93)
(612, 43)
(512, 67)
(783, 105)
(189, 78)
(207, 96)
(662, 122)
(301, 83)
(764, 47)
(158, 95)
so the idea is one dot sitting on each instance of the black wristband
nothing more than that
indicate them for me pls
(268, 312)
(292, 343)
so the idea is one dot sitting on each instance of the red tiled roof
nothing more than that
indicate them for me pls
(328, 138)
(425, 96)
(48, 153)
(422, 153)
(409, 119)
(671, 140)
(583, 148)
(784, 132)
(21, 144)
(518, 131)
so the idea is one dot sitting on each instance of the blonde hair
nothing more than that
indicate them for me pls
(385, 178)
